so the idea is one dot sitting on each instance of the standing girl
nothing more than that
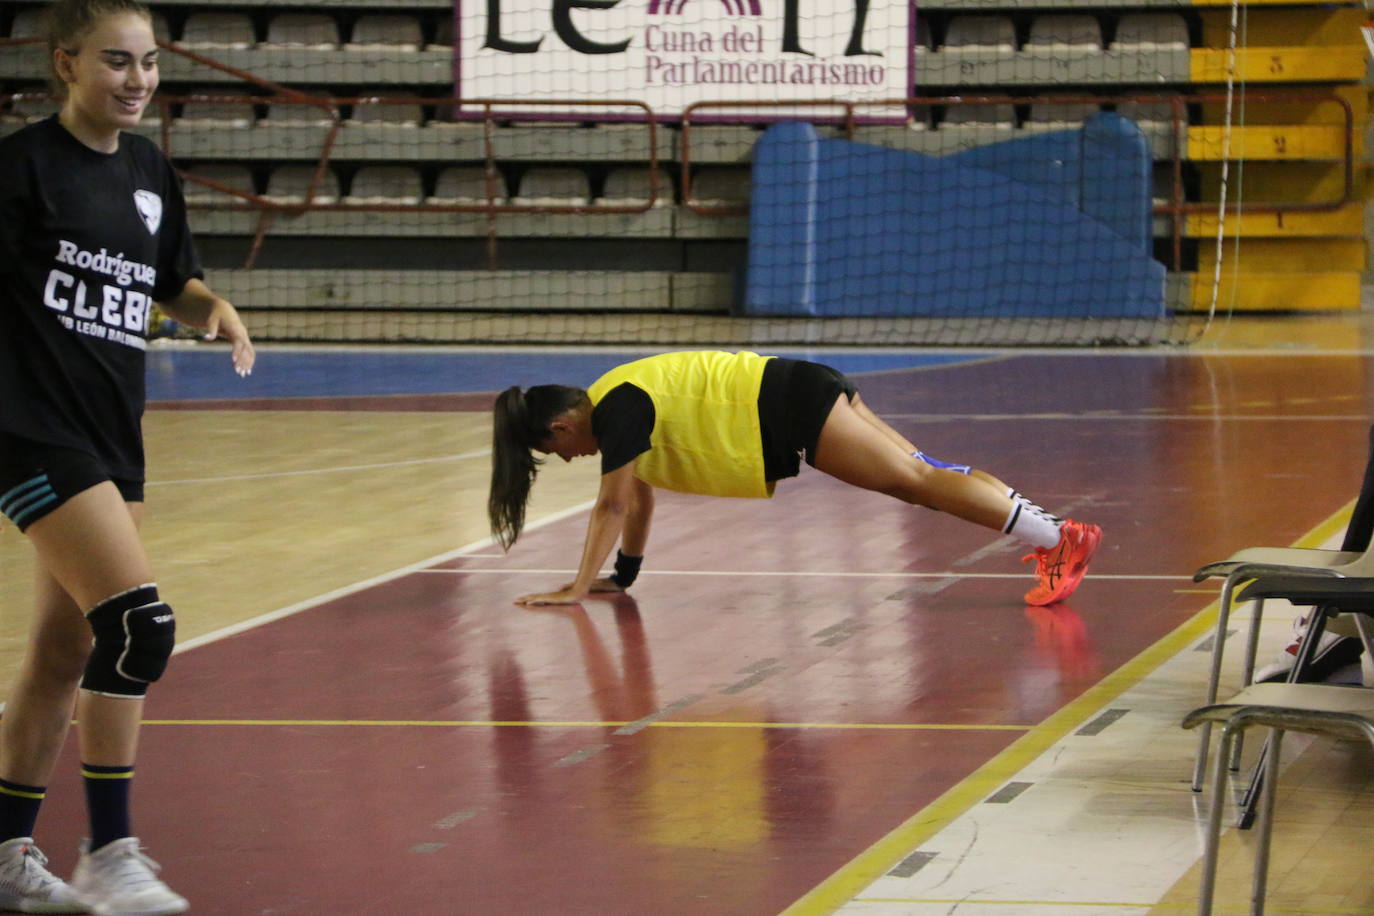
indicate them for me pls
(92, 232)
(733, 424)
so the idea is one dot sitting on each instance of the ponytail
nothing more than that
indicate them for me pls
(520, 424)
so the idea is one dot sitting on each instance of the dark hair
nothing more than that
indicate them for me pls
(68, 21)
(520, 423)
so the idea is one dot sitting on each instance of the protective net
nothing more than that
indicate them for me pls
(669, 172)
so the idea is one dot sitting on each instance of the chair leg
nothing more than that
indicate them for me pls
(1247, 673)
(1213, 680)
(1207, 890)
(1266, 822)
(1316, 625)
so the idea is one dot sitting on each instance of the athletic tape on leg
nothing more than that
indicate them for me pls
(946, 465)
(134, 636)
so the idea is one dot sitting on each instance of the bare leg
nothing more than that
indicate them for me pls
(39, 710)
(88, 550)
(876, 421)
(856, 450)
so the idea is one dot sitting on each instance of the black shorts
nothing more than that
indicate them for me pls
(36, 478)
(795, 400)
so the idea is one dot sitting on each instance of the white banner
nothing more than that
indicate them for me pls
(671, 53)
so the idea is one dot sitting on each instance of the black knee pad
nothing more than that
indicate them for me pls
(134, 636)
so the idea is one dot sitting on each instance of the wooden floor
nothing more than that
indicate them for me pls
(824, 702)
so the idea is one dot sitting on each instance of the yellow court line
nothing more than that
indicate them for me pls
(869, 865)
(1307, 910)
(940, 901)
(485, 723)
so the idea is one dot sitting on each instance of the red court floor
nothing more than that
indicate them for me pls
(788, 681)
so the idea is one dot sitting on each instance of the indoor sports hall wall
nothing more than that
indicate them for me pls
(340, 195)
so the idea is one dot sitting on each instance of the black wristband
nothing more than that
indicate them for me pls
(626, 569)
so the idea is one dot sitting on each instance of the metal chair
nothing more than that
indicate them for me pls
(1316, 709)
(1353, 559)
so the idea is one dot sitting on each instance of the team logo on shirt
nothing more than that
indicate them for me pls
(150, 208)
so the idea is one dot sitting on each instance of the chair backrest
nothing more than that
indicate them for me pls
(922, 39)
(729, 185)
(554, 184)
(29, 22)
(1049, 111)
(288, 114)
(218, 114)
(303, 30)
(443, 32)
(1361, 527)
(1154, 31)
(1065, 31)
(218, 29)
(631, 184)
(1147, 111)
(34, 109)
(290, 182)
(996, 32)
(466, 184)
(385, 184)
(386, 30)
(999, 114)
(234, 175)
(407, 114)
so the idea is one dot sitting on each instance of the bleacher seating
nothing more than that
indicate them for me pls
(465, 184)
(385, 32)
(385, 184)
(998, 115)
(213, 30)
(234, 175)
(285, 113)
(214, 114)
(1149, 113)
(28, 110)
(1151, 32)
(315, 31)
(632, 186)
(28, 22)
(922, 39)
(1054, 115)
(1080, 32)
(31, 22)
(720, 187)
(443, 34)
(980, 32)
(289, 184)
(407, 114)
(553, 186)
(964, 48)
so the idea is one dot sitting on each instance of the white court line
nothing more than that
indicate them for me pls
(462, 456)
(812, 572)
(279, 614)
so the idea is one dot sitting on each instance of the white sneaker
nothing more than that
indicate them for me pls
(119, 880)
(1330, 663)
(26, 885)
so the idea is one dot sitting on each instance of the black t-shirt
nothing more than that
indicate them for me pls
(622, 421)
(88, 241)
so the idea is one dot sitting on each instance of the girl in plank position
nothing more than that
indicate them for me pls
(733, 424)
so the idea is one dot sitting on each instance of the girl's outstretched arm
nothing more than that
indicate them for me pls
(603, 530)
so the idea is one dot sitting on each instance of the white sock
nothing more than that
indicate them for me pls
(1031, 523)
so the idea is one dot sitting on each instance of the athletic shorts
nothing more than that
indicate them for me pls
(795, 400)
(36, 478)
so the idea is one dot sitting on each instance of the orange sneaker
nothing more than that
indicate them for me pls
(1061, 567)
